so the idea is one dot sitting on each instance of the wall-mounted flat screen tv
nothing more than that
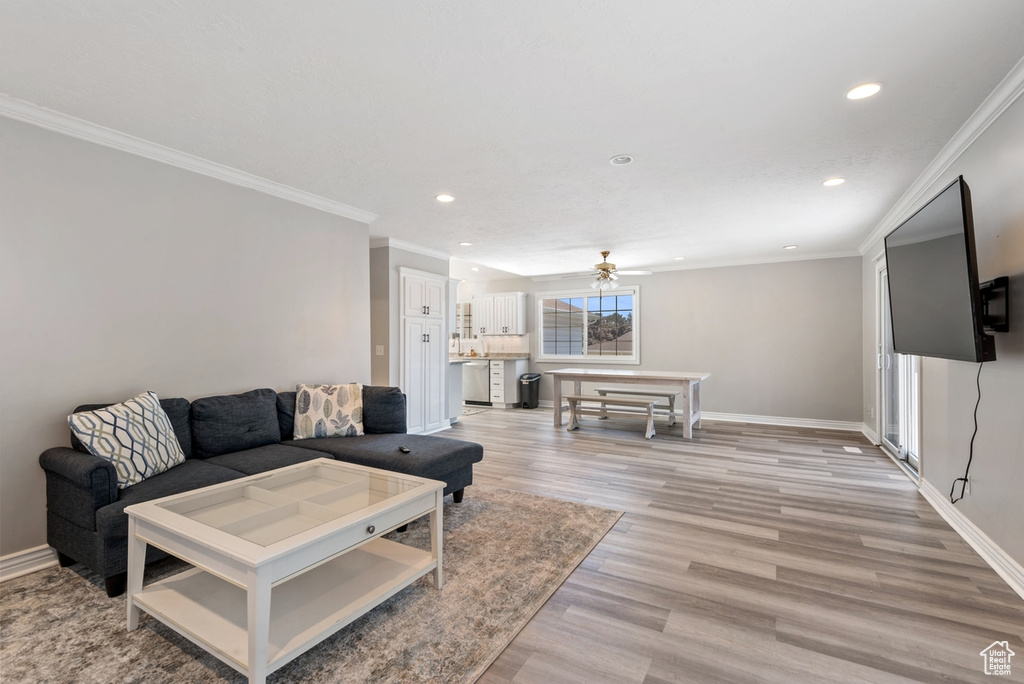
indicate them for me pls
(934, 295)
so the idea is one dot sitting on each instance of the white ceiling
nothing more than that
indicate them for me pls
(734, 111)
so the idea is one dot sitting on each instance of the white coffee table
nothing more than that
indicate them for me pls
(282, 559)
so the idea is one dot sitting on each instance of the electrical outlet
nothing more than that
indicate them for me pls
(380, 350)
(871, 411)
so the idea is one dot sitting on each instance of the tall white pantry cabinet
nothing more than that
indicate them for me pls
(424, 349)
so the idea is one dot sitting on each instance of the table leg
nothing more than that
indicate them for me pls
(686, 411)
(437, 537)
(574, 422)
(557, 399)
(696, 404)
(259, 625)
(136, 570)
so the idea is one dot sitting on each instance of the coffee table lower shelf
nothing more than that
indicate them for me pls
(305, 609)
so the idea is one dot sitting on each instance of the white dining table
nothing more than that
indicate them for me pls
(687, 381)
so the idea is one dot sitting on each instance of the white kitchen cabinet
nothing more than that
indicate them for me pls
(500, 314)
(424, 350)
(504, 376)
(483, 312)
(423, 295)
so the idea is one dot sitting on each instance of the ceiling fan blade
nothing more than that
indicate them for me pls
(634, 272)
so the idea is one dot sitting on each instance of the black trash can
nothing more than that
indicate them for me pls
(529, 389)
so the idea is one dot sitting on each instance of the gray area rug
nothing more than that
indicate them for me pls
(505, 553)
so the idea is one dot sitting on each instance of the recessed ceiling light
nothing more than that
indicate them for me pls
(620, 160)
(832, 182)
(474, 269)
(445, 198)
(465, 244)
(789, 247)
(680, 258)
(862, 91)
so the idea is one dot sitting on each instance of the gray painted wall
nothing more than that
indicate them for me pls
(992, 168)
(385, 293)
(380, 316)
(119, 275)
(779, 339)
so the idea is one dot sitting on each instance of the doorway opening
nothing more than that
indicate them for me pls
(900, 383)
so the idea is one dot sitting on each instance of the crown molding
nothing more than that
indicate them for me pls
(1008, 90)
(409, 247)
(49, 119)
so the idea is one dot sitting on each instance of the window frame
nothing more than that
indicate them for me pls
(633, 359)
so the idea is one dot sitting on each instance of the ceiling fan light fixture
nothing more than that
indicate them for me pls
(604, 274)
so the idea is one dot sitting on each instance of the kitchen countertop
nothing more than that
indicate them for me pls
(498, 356)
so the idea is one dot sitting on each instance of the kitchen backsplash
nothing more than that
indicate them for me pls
(492, 344)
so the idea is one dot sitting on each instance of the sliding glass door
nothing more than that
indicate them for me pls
(900, 383)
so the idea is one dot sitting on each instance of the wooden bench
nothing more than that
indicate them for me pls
(661, 394)
(576, 409)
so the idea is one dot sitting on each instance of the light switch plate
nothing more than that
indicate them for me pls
(380, 350)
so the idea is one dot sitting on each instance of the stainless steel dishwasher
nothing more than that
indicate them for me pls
(476, 383)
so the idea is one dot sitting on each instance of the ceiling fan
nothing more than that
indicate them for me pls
(606, 275)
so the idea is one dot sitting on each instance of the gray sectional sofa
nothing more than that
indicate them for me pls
(225, 438)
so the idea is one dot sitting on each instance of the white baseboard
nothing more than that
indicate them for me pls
(24, 562)
(446, 425)
(1005, 566)
(870, 434)
(785, 422)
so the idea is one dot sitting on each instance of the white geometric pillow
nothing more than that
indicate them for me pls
(136, 436)
(328, 411)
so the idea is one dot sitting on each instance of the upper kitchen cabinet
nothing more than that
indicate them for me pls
(423, 296)
(500, 314)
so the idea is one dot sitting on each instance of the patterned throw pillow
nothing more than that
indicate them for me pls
(135, 436)
(328, 411)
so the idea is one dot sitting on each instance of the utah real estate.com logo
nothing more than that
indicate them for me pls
(997, 658)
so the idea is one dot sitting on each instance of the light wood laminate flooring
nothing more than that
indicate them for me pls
(750, 553)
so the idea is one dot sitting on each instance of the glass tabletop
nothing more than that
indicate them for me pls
(268, 508)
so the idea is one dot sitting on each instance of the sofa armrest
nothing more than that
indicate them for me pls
(78, 484)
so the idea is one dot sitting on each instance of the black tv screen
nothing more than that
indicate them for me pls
(934, 298)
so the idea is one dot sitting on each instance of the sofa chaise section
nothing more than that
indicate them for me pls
(384, 422)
